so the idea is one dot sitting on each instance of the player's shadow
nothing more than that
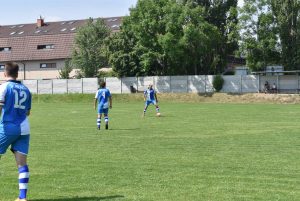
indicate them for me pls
(107, 198)
(124, 129)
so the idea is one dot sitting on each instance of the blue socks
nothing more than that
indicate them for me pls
(23, 181)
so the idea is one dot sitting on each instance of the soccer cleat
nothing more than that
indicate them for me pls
(106, 126)
(98, 127)
(18, 199)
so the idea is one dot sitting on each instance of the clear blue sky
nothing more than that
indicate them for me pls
(27, 11)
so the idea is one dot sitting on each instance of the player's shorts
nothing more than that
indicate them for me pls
(19, 143)
(102, 110)
(148, 102)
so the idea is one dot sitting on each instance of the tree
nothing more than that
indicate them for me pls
(287, 16)
(89, 52)
(64, 73)
(260, 41)
(164, 37)
(223, 14)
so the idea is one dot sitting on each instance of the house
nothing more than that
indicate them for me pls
(41, 48)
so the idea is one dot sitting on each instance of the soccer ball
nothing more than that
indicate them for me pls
(158, 114)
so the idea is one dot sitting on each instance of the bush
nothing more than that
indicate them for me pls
(103, 74)
(64, 73)
(218, 82)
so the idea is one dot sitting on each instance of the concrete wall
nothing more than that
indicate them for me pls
(166, 84)
(61, 86)
(202, 83)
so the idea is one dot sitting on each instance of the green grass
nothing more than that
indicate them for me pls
(195, 151)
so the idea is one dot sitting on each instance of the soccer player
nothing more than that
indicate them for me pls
(15, 105)
(150, 98)
(102, 97)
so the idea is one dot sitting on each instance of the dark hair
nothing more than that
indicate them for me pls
(12, 69)
(102, 84)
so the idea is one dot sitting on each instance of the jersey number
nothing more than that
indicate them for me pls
(20, 99)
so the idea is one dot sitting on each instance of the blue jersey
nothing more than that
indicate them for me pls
(15, 99)
(150, 94)
(102, 95)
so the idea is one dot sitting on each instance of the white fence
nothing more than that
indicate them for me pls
(184, 84)
(166, 84)
(203, 83)
(62, 86)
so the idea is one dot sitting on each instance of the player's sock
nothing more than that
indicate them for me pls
(98, 123)
(106, 122)
(23, 181)
(157, 109)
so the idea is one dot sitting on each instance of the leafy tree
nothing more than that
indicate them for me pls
(287, 16)
(89, 53)
(260, 41)
(64, 73)
(223, 14)
(164, 37)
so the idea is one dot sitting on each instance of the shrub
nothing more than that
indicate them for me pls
(218, 82)
(64, 73)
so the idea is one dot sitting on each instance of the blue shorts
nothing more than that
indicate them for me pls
(102, 110)
(19, 143)
(148, 102)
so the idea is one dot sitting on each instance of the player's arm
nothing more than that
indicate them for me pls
(110, 102)
(145, 95)
(95, 100)
(95, 103)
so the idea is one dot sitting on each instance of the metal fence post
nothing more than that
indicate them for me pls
(121, 85)
(277, 82)
(241, 83)
(82, 85)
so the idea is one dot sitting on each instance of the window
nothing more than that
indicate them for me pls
(112, 20)
(115, 26)
(2, 66)
(64, 29)
(45, 47)
(21, 25)
(63, 23)
(48, 65)
(13, 27)
(37, 31)
(12, 33)
(73, 29)
(71, 22)
(21, 32)
(5, 49)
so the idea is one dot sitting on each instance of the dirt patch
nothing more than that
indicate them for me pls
(216, 98)
(233, 98)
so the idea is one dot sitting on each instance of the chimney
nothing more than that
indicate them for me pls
(40, 22)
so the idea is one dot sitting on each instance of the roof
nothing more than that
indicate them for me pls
(50, 28)
(24, 39)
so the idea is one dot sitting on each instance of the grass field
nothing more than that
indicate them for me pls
(195, 151)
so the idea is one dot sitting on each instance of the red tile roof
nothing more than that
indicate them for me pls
(27, 37)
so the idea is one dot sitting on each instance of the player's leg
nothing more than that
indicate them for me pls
(99, 121)
(145, 108)
(20, 149)
(106, 118)
(156, 106)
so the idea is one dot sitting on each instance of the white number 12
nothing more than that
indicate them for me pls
(20, 99)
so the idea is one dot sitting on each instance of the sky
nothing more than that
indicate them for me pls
(27, 11)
